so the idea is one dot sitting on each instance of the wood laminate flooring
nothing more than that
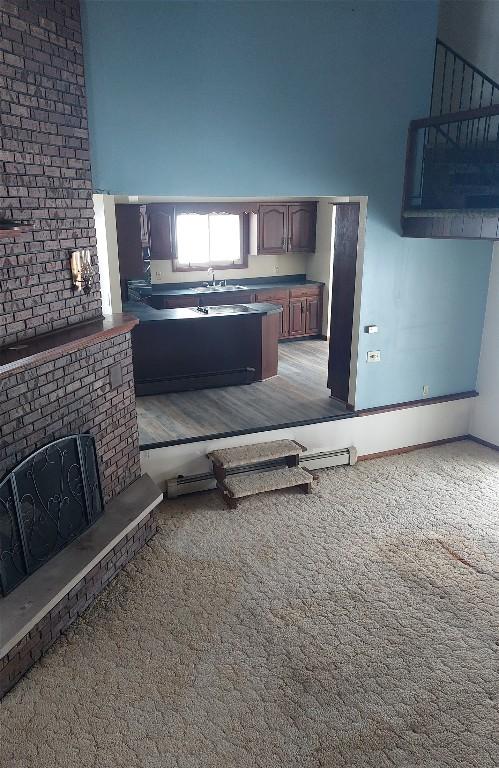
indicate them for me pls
(297, 393)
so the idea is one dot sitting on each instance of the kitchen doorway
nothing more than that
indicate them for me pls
(318, 331)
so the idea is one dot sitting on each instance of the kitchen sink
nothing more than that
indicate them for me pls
(219, 288)
(224, 309)
(231, 288)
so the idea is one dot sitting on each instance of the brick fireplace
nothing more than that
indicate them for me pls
(63, 368)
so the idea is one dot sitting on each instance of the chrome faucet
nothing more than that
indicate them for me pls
(211, 272)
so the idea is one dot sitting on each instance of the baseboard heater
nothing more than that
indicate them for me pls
(184, 484)
(188, 382)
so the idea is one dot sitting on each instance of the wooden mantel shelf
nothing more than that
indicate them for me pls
(50, 346)
(11, 228)
(14, 232)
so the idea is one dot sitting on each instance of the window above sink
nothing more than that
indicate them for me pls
(206, 240)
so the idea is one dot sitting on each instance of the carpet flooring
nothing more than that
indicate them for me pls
(355, 627)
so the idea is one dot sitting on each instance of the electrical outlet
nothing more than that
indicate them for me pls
(157, 273)
(374, 356)
(426, 390)
(276, 269)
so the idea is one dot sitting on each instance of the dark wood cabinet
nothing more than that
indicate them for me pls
(313, 316)
(302, 219)
(301, 309)
(287, 227)
(282, 299)
(297, 310)
(161, 231)
(272, 228)
(129, 242)
(144, 232)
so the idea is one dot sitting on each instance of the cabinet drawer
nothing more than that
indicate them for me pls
(272, 296)
(300, 291)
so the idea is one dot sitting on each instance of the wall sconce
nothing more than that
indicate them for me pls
(82, 271)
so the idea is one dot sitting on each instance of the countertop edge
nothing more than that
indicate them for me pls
(263, 286)
(147, 314)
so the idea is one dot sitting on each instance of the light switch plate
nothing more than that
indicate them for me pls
(371, 329)
(374, 356)
(115, 375)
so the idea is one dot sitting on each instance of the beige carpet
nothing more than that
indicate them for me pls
(354, 627)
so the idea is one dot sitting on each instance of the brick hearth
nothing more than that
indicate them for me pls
(18, 661)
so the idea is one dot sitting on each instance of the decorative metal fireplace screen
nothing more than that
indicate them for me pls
(45, 502)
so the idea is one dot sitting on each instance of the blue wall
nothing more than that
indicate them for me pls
(293, 98)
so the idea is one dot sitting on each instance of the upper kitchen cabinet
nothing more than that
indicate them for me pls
(302, 219)
(287, 227)
(161, 231)
(129, 242)
(272, 228)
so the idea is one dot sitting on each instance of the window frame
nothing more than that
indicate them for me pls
(244, 245)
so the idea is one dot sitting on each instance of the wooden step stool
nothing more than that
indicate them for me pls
(236, 479)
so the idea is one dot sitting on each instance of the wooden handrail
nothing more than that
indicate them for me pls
(454, 117)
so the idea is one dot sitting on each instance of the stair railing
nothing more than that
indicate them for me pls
(473, 130)
(458, 85)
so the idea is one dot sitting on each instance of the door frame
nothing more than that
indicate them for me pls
(362, 201)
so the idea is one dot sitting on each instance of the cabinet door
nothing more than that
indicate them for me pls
(297, 310)
(129, 242)
(282, 299)
(313, 317)
(161, 231)
(302, 218)
(285, 321)
(272, 228)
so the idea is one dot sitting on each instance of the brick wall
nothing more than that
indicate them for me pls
(70, 395)
(44, 167)
(45, 180)
(16, 663)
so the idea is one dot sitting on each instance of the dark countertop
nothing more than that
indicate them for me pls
(250, 284)
(145, 313)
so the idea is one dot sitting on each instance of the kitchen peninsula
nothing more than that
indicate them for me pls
(300, 299)
(203, 346)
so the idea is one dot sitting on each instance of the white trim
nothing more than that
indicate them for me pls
(107, 253)
(359, 276)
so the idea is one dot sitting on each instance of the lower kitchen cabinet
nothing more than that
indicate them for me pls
(281, 298)
(313, 316)
(302, 309)
(301, 306)
(297, 314)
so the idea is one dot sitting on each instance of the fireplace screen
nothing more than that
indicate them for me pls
(45, 502)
